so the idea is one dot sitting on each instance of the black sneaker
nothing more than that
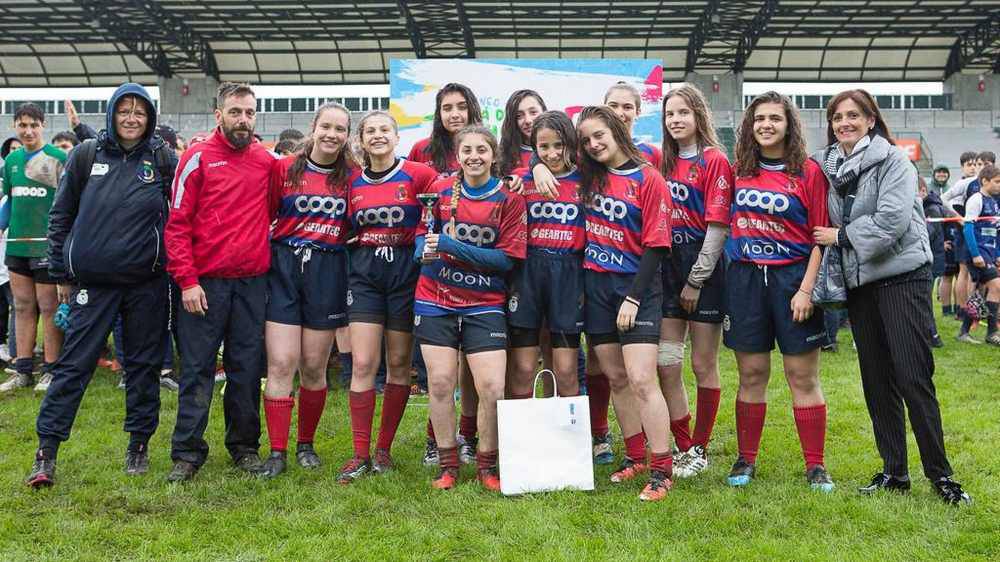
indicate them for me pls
(936, 341)
(137, 460)
(951, 492)
(742, 473)
(274, 465)
(251, 464)
(467, 450)
(306, 456)
(182, 472)
(883, 481)
(354, 469)
(431, 453)
(43, 471)
(819, 479)
(382, 461)
(829, 348)
(168, 380)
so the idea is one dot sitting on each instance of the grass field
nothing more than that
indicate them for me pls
(96, 513)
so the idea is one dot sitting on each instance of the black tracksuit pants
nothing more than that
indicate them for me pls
(889, 320)
(92, 314)
(235, 317)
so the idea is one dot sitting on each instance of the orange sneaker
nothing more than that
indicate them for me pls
(656, 490)
(104, 363)
(446, 479)
(115, 366)
(489, 478)
(628, 470)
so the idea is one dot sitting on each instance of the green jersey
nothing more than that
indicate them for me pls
(30, 181)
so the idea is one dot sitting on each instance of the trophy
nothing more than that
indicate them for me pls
(428, 200)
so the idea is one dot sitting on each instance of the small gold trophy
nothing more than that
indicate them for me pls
(428, 200)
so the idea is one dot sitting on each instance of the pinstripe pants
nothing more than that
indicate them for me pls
(889, 322)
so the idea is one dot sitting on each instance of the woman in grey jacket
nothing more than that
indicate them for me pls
(878, 227)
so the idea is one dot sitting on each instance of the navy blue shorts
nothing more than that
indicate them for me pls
(605, 294)
(381, 286)
(983, 275)
(711, 301)
(307, 287)
(547, 289)
(760, 310)
(471, 334)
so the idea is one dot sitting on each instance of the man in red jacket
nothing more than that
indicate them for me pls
(218, 254)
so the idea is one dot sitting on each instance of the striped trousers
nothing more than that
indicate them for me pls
(889, 321)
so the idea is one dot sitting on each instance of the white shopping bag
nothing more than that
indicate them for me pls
(545, 444)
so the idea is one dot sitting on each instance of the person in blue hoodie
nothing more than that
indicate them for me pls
(106, 252)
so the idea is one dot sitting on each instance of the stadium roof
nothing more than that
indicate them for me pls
(105, 42)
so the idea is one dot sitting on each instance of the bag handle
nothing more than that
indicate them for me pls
(534, 385)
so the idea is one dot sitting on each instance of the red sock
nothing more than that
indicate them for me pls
(664, 462)
(598, 395)
(278, 413)
(749, 427)
(430, 430)
(311, 404)
(486, 459)
(394, 401)
(521, 395)
(682, 432)
(706, 411)
(635, 447)
(448, 458)
(467, 427)
(811, 423)
(362, 411)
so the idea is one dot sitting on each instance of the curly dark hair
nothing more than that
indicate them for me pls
(747, 149)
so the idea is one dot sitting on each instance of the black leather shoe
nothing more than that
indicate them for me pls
(251, 464)
(306, 456)
(882, 481)
(274, 465)
(182, 472)
(137, 461)
(951, 492)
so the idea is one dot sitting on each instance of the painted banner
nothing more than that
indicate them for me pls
(565, 84)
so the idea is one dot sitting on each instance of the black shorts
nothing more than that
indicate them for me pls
(760, 310)
(307, 287)
(381, 286)
(547, 289)
(983, 275)
(472, 334)
(36, 268)
(711, 301)
(605, 294)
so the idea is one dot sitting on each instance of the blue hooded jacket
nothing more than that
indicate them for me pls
(106, 224)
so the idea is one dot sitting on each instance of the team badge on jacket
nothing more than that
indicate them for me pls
(82, 298)
(146, 174)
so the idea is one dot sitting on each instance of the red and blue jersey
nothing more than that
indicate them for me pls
(701, 189)
(385, 211)
(421, 152)
(495, 220)
(527, 153)
(310, 213)
(652, 152)
(774, 214)
(631, 214)
(557, 226)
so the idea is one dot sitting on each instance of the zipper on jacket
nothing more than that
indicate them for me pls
(156, 242)
(70, 258)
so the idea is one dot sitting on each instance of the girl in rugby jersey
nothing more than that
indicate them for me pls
(626, 101)
(523, 107)
(628, 236)
(480, 232)
(779, 197)
(700, 180)
(455, 106)
(548, 287)
(307, 283)
(385, 214)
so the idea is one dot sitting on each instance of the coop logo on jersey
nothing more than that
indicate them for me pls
(30, 191)
(333, 206)
(562, 212)
(610, 208)
(766, 201)
(472, 233)
(380, 216)
(678, 191)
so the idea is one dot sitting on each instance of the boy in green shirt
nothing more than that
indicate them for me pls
(30, 178)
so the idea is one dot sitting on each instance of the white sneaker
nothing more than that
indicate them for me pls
(220, 376)
(5, 354)
(15, 382)
(695, 461)
(43, 383)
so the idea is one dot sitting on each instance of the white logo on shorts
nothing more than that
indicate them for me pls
(82, 298)
(350, 298)
(512, 305)
(416, 320)
(725, 323)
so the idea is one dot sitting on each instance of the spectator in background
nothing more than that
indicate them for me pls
(968, 163)
(286, 147)
(939, 179)
(934, 209)
(9, 145)
(82, 130)
(6, 305)
(982, 214)
(65, 141)
(294, 135)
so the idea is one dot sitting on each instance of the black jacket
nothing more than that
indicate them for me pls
(934, 208)
(108, 229)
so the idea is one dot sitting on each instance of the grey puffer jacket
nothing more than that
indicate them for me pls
(886, 226)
